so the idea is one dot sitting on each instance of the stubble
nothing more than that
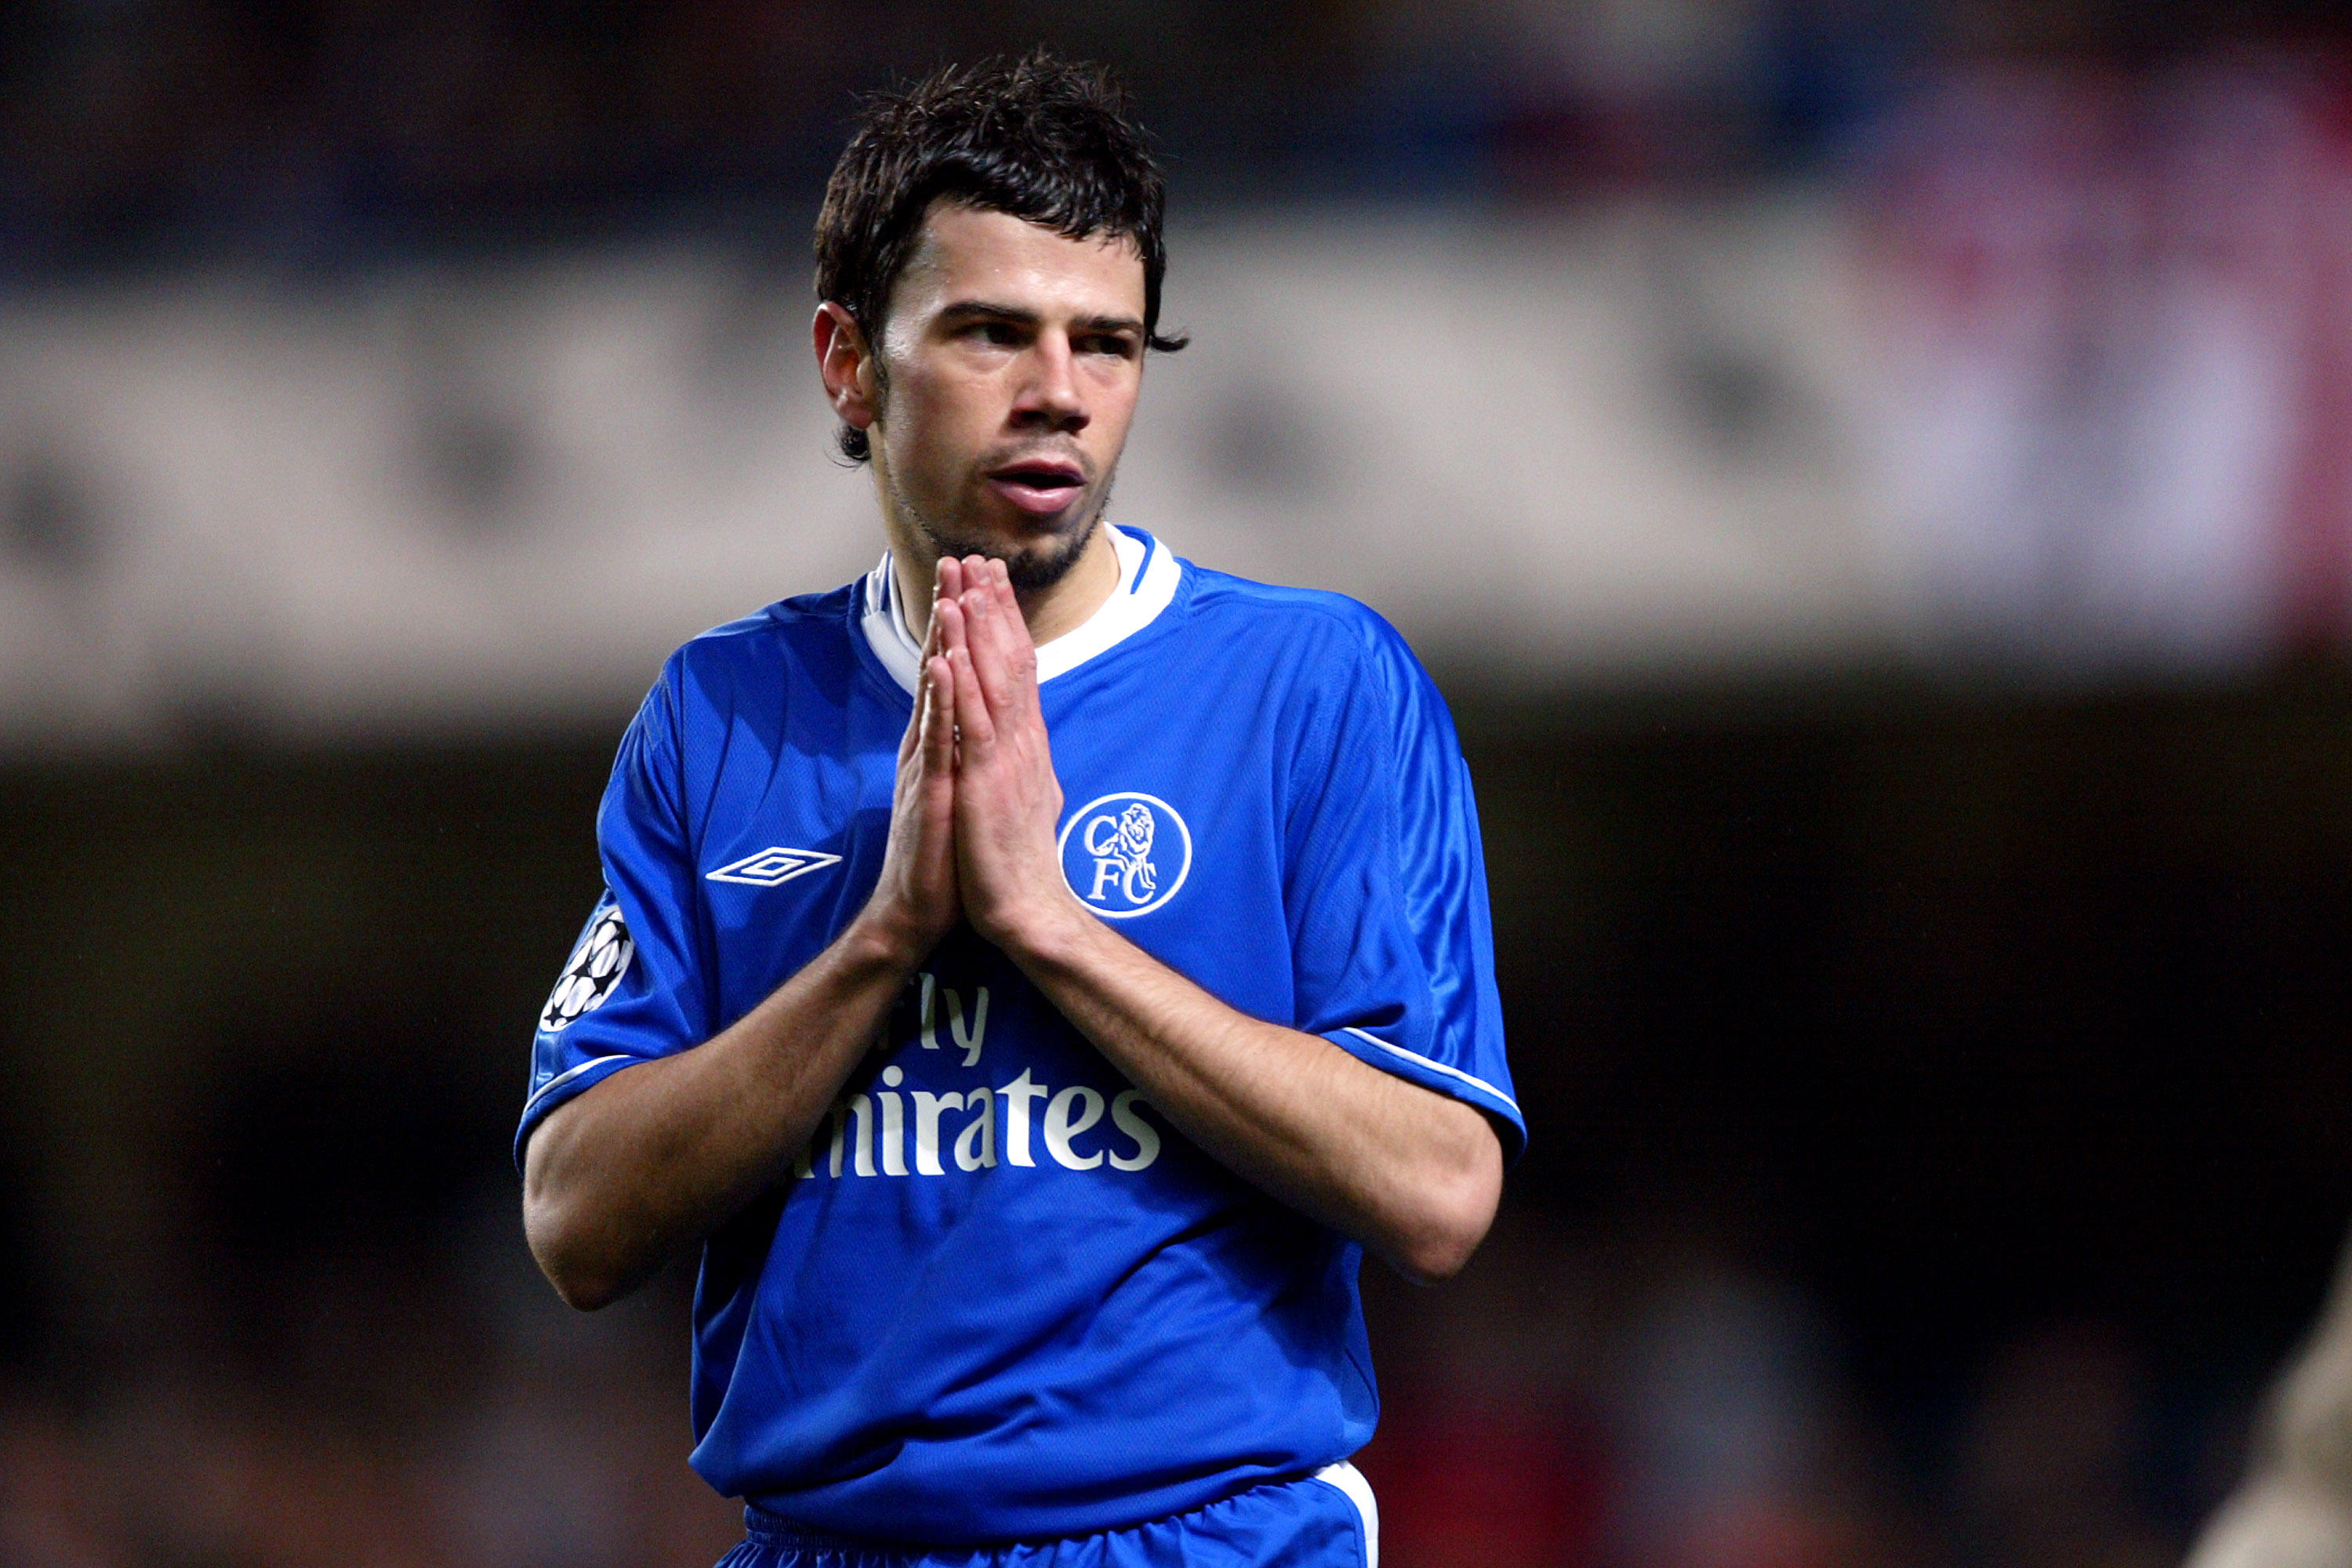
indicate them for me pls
(1028, 569)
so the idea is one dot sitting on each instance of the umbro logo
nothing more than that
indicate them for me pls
(773, 864)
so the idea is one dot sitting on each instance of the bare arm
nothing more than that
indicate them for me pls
(656, 1157)
(1412, 1174)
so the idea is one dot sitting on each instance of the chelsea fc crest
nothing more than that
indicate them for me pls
(1124, 855)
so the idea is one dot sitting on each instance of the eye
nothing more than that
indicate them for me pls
(1118, 345)
(996, 334)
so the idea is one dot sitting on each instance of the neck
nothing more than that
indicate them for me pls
(1064, 607)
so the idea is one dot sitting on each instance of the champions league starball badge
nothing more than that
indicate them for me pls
(595, 966)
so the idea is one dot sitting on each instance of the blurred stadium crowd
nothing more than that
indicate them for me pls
(1936, 1134)
(1564, 1408)
(310, 134)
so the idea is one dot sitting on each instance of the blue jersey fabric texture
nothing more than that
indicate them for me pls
(1001, 1299)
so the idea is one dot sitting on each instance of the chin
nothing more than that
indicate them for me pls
(1048, 560)
(1037, 552)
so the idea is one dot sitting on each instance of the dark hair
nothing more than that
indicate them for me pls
(1040, 137)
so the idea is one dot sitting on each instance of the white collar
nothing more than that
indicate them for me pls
(1147, 579)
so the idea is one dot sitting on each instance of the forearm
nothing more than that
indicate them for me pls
(1411, 1174)
(655, 1158)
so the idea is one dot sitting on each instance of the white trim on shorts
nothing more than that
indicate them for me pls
(1351, 1483)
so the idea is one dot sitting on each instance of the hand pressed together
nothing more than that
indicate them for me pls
(916, 902)
(977, 803)
(1008, 802)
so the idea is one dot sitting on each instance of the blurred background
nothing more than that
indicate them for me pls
(1874, 480)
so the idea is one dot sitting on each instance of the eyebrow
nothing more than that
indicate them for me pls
(989, 311)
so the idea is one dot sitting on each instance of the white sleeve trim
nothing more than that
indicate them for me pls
(1350, 1480)
(1479, 1084)
(560, 1080)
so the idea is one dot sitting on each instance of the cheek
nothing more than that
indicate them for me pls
(932, 422)
(1114, 410)
(943, 406)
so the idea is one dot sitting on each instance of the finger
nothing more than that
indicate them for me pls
(955, 646)
(998, 585)
(1002, 651)
(931, 626)
(1000, 580)
(1020, 648)
(939, 717)
(976, 730)
(989, 653)
(946, 583)
(947, 620)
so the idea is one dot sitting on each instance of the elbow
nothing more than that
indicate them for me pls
(585, 1283)
(1453, 1217)
(1436, 1252)
(569, 1248)
(583, 1289)
(583, 1294)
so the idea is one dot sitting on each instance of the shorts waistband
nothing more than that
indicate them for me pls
(774, 1530)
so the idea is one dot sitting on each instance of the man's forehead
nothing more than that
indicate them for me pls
(962, 249)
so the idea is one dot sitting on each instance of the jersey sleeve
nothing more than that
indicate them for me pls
(1385, 884)
(634, 988)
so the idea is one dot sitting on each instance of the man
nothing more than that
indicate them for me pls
(1032, 1147)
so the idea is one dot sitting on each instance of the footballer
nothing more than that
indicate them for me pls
(1034, 973)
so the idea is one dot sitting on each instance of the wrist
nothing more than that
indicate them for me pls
(885, 937)
(1050, 933)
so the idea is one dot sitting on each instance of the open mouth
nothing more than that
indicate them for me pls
(1038, 485)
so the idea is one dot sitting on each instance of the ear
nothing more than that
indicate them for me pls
(847, 364)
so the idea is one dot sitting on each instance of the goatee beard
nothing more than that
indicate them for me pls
(1027, 569)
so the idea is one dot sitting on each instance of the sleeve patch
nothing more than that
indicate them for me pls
(597, 962)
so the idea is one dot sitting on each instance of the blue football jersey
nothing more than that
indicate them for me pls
(1001, 1296)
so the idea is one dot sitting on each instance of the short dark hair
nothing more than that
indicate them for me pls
(1050, 141)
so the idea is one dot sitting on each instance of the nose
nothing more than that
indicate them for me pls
(1050, 399)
